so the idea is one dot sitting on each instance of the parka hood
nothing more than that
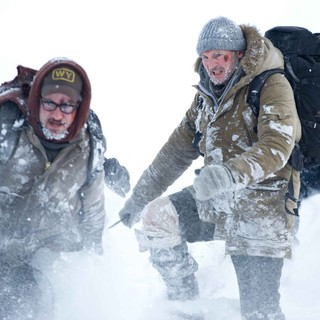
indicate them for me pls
(33, 102)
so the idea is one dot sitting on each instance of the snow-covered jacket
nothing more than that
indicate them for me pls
(253, 220)
(58, 204)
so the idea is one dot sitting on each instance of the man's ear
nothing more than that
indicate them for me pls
(240, 54)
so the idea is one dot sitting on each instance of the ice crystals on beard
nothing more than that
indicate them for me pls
(54, 136)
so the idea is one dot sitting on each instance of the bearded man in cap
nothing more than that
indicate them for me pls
(239, 194)
(52, 182)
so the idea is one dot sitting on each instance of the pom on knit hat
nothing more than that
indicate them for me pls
(221, 34)
(63, 80)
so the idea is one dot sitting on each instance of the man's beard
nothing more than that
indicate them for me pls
(227, 74)
(54, 136)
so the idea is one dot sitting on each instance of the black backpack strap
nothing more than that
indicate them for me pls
(197, 134)
(290, 196)
(255, 86)
(97, 142)
(9, 113)
(97, 148)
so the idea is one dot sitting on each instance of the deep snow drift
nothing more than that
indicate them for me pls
(122, 285)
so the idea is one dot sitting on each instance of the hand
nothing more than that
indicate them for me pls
(212, 180)
(130, 213)
(117, 177)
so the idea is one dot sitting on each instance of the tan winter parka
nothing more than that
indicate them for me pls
(253, 220)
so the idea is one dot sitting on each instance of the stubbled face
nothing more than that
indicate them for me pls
(220, 64)
(55, 123)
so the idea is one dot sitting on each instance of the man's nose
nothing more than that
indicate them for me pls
(57, 114)
(212, 62)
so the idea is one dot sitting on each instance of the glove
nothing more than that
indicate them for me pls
(130, 213)
(116, 177)
(212, 180)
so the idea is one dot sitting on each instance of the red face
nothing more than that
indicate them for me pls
(220, 64)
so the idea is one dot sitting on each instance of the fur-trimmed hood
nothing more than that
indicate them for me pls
(259, 55)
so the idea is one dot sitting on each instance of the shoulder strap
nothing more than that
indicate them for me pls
(97, 149)
(255, 86)
(97, 142)
(9, 135)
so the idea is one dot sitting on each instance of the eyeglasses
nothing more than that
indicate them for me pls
(66, 108)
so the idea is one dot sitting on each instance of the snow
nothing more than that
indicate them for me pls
(123, 285)
(139, 57)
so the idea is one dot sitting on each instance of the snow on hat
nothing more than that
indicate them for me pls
(221, 34)
(63, 80)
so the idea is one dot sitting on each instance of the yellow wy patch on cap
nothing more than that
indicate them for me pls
(63, 74)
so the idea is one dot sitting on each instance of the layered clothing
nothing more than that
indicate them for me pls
(257, 219)
(51, 192)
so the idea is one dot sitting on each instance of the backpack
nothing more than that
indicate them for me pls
(301, 51)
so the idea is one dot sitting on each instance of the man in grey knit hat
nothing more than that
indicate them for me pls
(239, 194)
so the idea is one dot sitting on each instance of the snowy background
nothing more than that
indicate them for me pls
(139, 55)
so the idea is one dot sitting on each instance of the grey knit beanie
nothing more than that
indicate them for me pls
(221, 34)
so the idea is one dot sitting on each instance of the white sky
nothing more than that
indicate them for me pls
(139, 55)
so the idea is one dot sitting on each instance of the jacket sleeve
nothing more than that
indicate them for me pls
(92, 217)
(278, 129)
(170, 163)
